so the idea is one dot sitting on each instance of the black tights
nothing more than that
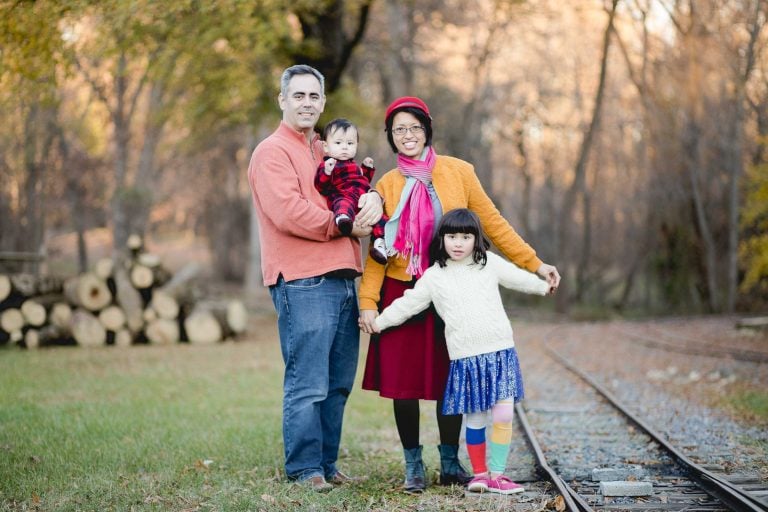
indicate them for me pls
(407, 420)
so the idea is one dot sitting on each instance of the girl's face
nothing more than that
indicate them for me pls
(411, 142)
(459, 245)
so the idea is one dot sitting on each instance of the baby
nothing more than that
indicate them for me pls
(342, 181)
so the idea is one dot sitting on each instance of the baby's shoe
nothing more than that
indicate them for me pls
(503, 485)
(379, 251)
(344, 223)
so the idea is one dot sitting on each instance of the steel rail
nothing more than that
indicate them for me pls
(573, 501)
(733, 496)
(752, 356)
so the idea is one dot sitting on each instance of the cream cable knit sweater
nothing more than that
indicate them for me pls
(466, 296)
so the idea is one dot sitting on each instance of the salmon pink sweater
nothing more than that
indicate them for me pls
(297, 232)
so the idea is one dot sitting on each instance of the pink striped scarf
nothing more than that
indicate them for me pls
(417, 218)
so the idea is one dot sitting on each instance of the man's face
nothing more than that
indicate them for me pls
(302, 103)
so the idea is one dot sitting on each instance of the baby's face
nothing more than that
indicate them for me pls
(341, 144)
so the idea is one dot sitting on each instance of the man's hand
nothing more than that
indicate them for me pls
(367, 316)
(328, 169)
(371, 208)
(550, 273)
(360, 231)
(368, 162)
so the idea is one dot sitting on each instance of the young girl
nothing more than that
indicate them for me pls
(463, 284)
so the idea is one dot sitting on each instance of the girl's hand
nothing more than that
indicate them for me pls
(550, 273)
(366, 321)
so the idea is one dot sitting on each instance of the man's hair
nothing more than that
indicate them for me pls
(300, 69)
(339, 124)
(460, 220)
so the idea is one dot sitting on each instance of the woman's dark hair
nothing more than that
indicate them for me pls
(338, 124)
(460, 220)
(419, 114)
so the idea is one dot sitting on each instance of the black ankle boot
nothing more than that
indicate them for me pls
(451, 470)
(415, 477)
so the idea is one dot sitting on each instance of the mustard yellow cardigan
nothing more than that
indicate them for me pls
(457, 186)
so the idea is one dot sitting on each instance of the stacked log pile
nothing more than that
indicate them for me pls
(124, 302)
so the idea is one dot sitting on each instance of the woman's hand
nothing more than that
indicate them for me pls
(366, 321)
(550, 273)
(371, 207)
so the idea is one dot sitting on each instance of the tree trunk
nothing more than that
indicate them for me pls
(121, 141)
(562, 298)
(735, 156)
(525, 172)
(324, 24)
(396, 73)
(694, 162)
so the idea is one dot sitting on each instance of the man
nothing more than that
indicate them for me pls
(310, 270)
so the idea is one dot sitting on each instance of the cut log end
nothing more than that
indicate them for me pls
(87, 330)
(202, 328)
(32, 339)
(34, 313)
(11, 320)
(142, 277)
(5, 287)
(112, 318)
(123, 338)
(103, 268)
(88, 291)
(135, 242)
(164, 305)
(162, 331)
(61, 315)
(237, 316)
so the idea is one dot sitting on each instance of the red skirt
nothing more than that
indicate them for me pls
(409, 361)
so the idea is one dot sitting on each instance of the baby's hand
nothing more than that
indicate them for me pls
(329, 166)
(368, 162)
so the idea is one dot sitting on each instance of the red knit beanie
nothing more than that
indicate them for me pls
(406, 101)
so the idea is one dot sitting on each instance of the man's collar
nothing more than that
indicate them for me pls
(288, 130)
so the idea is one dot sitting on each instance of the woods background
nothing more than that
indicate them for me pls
(627, 140)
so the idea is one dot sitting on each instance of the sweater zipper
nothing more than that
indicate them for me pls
(312, 149)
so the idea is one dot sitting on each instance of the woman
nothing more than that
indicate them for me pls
(410, 362)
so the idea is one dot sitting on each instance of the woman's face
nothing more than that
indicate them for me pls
(411, 143)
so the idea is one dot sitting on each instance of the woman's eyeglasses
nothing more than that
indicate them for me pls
(415, 130)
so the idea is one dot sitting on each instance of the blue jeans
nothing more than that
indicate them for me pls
(319, 339)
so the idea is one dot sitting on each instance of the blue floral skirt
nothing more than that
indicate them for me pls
(476, 383)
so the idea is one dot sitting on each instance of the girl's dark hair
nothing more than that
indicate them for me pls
(419, 114)
(338, 124)
(460, 220)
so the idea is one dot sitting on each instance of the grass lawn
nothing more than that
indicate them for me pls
(183, 428)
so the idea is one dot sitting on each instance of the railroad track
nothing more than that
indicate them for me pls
(661, 339)
(586, 434)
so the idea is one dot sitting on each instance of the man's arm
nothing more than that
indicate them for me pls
(275, 184)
